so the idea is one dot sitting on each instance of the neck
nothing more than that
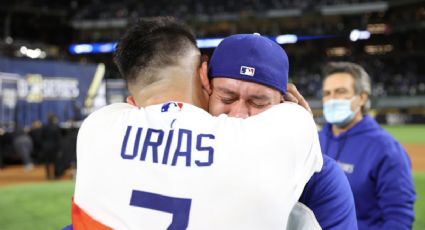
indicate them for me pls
(163, 91)
(175, 84)
(336, 130)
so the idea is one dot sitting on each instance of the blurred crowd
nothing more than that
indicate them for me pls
(46, 144)
(390, 76)
(216, 18)
(97, 9)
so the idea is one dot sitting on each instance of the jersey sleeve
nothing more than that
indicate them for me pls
(306, 140)
(302, 218)
(295, 133)
(329, 196)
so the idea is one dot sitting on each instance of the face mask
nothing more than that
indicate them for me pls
(338, 111)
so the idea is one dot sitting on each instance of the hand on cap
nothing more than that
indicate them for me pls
(293, 95)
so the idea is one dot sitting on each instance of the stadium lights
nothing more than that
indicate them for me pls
(8, 40)
(83, 48)
(378, 49)
(92, 48)
(378, 28)
(32, 53)
(286, 39)
(359, 35)
(202, 43)
(337, 52)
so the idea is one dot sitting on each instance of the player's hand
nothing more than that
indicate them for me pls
(293, 95)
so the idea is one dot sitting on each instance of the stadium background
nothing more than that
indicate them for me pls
(55, 57)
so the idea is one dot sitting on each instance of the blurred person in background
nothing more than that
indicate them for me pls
(68, 149)
(2, 131)
(36, 134)
(51, 136)
(328, 193)
(376, 165)
(23, 145)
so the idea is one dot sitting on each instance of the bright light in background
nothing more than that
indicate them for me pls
(203, 43)
(378, 49)
(82, 48)
(32, 53)
(359, 35)
(92, 48)
(106, 48)
(8, 40)
(286, 39)
(378, 28)
(337, 52)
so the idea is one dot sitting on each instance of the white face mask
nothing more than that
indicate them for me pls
(338, 111)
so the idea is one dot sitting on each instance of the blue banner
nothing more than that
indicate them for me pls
(31, 89)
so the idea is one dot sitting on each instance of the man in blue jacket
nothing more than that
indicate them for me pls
(376, 165)
(240, 94)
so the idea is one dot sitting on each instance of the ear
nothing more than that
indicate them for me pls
(205, 81)
(363, 98)
(130, 100)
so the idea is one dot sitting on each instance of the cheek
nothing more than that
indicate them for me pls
(216, 107)
(325, 98)
(356, 103)
(255, 111)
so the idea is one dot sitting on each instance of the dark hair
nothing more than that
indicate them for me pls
(152, 44)
(51, 118)
(361, 78)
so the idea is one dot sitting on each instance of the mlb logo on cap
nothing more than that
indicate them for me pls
(251, 57)
(249, 71)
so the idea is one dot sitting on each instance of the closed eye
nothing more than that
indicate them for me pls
(227, 101)
(259, 105)
(260, 101)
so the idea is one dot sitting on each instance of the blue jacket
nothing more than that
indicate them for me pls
(379, 172)
(328, 195)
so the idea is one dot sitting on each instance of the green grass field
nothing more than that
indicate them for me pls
(420, 201)
(47, 206)
(36, 206)
(408, 134)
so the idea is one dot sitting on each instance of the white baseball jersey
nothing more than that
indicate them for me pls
(302, 218)
(174, 166)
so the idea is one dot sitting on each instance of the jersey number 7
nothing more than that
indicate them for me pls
(178, 207)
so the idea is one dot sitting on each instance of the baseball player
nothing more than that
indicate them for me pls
(242, 85)
(162, 162)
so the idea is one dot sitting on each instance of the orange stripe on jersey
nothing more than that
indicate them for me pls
(82, 221)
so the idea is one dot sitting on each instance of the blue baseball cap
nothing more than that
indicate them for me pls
(251, 57)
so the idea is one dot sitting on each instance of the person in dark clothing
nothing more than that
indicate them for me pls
(23, 145)
(36, 133)
(68, 156)
(51, 135)
(1, 147)
(376, 165)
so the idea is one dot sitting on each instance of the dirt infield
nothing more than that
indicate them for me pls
(417, 155)
(16, 174)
